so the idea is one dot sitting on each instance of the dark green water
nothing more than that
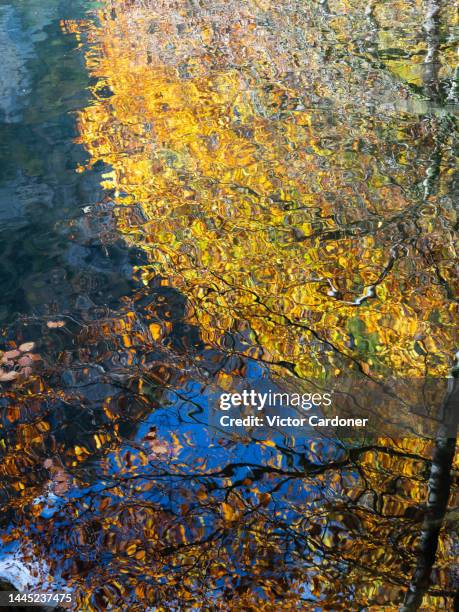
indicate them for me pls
(49, 257)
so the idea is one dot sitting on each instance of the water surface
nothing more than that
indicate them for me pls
(199, 198)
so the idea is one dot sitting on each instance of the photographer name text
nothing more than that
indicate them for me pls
(271, 400)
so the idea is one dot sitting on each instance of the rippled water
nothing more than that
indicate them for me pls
(200, 198)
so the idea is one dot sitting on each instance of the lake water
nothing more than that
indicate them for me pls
(204, 199)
